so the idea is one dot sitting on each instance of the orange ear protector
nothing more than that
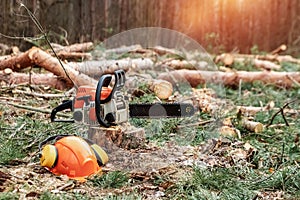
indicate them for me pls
(72, 155)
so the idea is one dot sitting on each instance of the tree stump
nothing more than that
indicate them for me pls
(113, 138)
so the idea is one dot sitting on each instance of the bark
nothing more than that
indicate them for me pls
(97, 68)
(265, 64)
(178, 64)
(251, 110)
(120, 50)
(262, 62)
(113, 138)
(74, 55)
(77, 47)
(163, 50)
(285, 79)
(226, 58)
(268, 57)
(35, 79)
(38, 57)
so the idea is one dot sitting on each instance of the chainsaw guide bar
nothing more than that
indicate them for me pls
(161, 110)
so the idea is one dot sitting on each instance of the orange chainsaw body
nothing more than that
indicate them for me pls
(85, 97)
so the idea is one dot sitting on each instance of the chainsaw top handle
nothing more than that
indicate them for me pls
(104, 81)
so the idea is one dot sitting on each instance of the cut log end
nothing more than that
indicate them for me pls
(162, 89)
(256, 127)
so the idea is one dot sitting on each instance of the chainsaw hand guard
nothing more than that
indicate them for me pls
(113, 109)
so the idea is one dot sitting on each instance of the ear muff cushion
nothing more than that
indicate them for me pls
(100, 154)
(49, 156)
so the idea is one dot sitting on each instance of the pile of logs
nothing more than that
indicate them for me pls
(87, 70)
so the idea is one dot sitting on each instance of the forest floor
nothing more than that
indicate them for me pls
(211, 155)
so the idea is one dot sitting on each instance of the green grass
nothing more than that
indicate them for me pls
(20, 138)
(8, 196)
(235, 183)
(115, 179)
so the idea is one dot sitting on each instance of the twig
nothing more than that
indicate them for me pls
(294, 81)
(279, 125)
(40, 94)
(196, 124)
(282, 113)
(41, 29)
(41, 110)
(16, 131)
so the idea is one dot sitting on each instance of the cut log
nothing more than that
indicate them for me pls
(161, 88)
(269, 57)
(228, 59)
(163, 50)
(256, 127)
(38, 57)
(183, 64)
(279, 49)
(284, 79)
(35, 79)
(177, 64)
(97, 68)
(265, 64)
(122, 49)
(74, 55)
(78, 47)
(228, 131)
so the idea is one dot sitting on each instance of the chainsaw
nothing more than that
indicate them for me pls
(108, 106)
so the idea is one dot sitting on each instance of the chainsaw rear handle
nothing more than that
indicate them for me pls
(104, 81)
(66, 105)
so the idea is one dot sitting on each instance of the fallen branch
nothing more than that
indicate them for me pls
(41, 95)
(282, 113)
(34, 109)
(231, 78)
